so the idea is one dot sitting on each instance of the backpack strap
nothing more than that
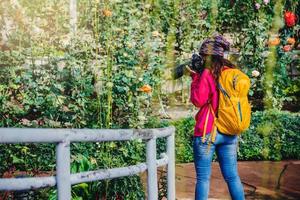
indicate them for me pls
(214, 129)
(205, 126)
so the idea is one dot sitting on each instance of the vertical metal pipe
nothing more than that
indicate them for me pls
(63, 170)
(73, 16)
(171, 166)
(152, 170)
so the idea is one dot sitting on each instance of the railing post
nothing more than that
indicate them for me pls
(171, 166)
(63, 173)
(152, 170)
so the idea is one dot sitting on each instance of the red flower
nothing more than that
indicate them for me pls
(290, 18)
(287, 48)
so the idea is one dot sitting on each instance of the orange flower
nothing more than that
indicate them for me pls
(107, 13)
(274, 41)
(291, 41)
(146, 89)
(287, 48)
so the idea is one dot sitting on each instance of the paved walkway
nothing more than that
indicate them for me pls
(260, 180)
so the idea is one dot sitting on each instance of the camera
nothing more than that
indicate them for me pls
(196, 64)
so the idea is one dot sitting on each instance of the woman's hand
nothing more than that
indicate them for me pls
(188, 70)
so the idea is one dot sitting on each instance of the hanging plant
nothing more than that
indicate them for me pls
(290, 18)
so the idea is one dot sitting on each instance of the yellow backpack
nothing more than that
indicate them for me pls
(234, 111)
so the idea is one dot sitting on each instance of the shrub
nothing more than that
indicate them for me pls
(272, 135)
(184, 136)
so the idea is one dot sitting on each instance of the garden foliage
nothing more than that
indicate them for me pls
(110, 73)
(272, 135)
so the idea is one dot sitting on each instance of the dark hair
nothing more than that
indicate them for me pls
(215, 63)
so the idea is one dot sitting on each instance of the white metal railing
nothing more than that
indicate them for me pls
(64, 179)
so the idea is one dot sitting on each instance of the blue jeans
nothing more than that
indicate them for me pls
(225, 147)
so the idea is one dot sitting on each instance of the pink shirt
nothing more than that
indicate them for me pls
(203, 90)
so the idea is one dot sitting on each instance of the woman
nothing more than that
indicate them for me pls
(204, 93)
